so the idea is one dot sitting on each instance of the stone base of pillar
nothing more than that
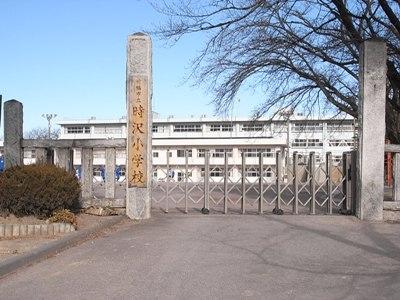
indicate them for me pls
(138, 203)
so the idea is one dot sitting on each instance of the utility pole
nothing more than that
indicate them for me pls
(49, 117)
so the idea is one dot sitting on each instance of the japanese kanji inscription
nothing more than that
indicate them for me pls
(137, 131)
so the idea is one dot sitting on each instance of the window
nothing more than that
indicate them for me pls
(303, 143)
(201, 152)
(181, 176)
(121, 154)
(314, 143)
(250, 152)
(268, 172)
(299, 143)
(29, 153)
(97, 171)
(221, 152)
(221, 127)
(181, 153)
(155, 175)
(108, 129)
(340, 127)
(268, 153)
(158, 128)
(99, 130)
(279, 127)
(187, 128)
(216, 172)
(78, 129)
(114, 129)
(252, 127)
(254, 152)
(155, 154)
(99, 154)
(78, 154)
(298, 127)
(252, 172)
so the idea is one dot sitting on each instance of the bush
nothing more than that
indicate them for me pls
(38, 190)
(65, 216)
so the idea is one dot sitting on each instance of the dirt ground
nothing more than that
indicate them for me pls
(11, 219)
(12, 247)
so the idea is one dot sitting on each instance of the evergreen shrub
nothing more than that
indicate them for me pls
(38, 190)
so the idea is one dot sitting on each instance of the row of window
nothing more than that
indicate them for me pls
(340, 127)
(77, 129)
(303, 143)
(216, 153)
(212, 127)
(108, 130)
(221, 127)
(97, 129)
(300, 127)
(98, 154)
(250, 152)
(296, 127)
(251, 171)
(315, 126)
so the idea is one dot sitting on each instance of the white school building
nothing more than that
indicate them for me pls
(175, 135)
(298, 133)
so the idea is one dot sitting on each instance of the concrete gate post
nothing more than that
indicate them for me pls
(370, 169)
(13, 131)
(139, 125)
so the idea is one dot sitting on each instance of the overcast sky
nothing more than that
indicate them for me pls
(68, 58)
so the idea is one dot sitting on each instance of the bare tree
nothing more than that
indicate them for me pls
(302, 53)
(41, 133)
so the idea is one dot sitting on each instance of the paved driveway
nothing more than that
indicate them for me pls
(223, 257)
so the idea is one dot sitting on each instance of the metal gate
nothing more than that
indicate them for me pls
(296, 184)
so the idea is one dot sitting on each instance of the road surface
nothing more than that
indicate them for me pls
(177, 256)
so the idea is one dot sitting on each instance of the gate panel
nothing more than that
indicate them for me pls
(308, 184)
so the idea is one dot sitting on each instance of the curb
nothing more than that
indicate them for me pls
(10, 265)
(25, 230)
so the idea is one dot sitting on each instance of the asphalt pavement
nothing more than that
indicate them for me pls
(177, 256)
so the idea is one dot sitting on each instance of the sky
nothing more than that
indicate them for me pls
(68, 58)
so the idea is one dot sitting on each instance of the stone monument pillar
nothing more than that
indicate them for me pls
(13, 132)
(139, 124)
(370, 169)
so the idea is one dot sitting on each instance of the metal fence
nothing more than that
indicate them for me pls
(286, 186)
(296, 184)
